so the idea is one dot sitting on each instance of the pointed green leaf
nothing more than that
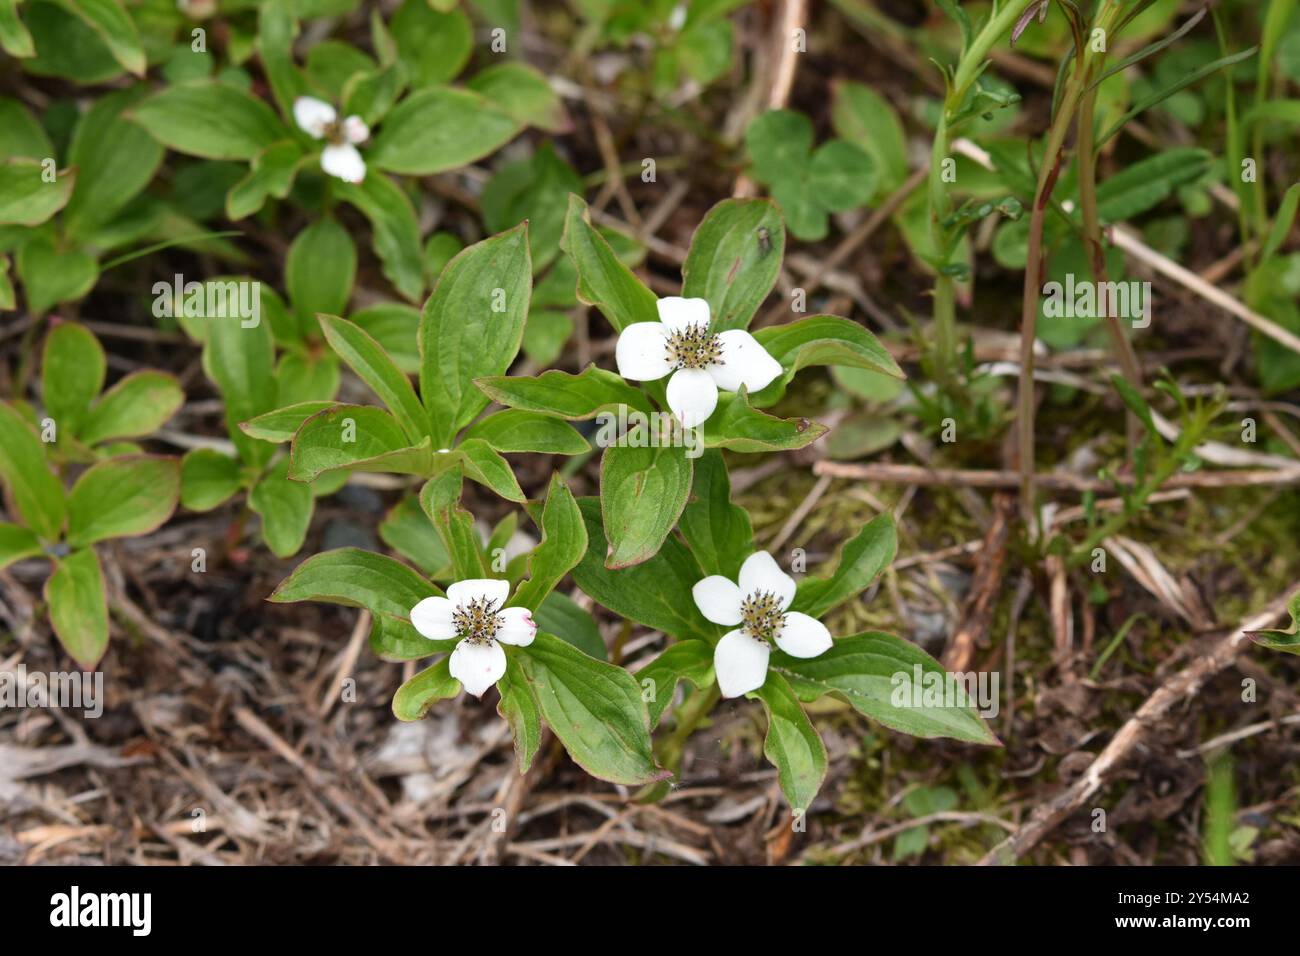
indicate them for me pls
(861, 561)
(31, 486)
(122, 498)
(75, 595)
(414, 698)
(642, 493)
(603, 279)
(792, 744)
(734, 259)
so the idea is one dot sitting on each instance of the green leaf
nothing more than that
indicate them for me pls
(546, 334)
(718, 532)
(535, 190)
(741, 427)
(115, 160)
(115, 27)
(319, 270)
(122, 498)
(471, 327)
(1282, 222)
(440, 499)
(372, 94)
(433, 46)
(876, 674)
(75, 595)
(367, 358)
(594, 708)
(282, 424)
(521, 91)
(826, 340)
(14, 38)
(563, 544)
(394, 231)
(861, 561)
(603, 279)
(137, 405)
(519, 708)
(209, 119)
(407, 530)
(1287, 641)
(285, 508)
(483, 464)
(392, 638)
(512, 430)
(396, 327)
(562, 616)
(51, 277)
(862, 116)
(656, 593)
(414, 698)
(240, 361)
(356, 438)
(780, 144)
(1139, 187)
(642, 493)
(26, 199)
(842, 176)
(1136, 403)
(356, 578)
(72, 374)
(21, 134)
(208, 478)
(805, 216)
(574, 397)
(66, 46)
(734, 259)
(792, 744)
(33, 489)
(16, 543)
(272, 173)
(684, 661)
(437, 129)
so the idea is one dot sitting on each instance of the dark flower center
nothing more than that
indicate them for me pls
(761, 616)
(478, 621)
(694, 347)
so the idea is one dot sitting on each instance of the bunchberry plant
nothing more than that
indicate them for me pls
(1287, 641)
(63, 509)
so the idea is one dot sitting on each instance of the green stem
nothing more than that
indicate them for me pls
(695, 708)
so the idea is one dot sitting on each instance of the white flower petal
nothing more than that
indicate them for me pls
(355, 130)
(740, 663)
(517, 627)
(477, 666)
(432, 618)
(803, 636)
(744, 362)
(465, 592)
(642, 352)
(760, 572)
(313, 115)
(678, 313)
(692, 395)
(343, 162)
(718, 599)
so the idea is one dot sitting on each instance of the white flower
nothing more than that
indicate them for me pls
(340, 157)
(758, 605)
(472, 611)
(700, 362)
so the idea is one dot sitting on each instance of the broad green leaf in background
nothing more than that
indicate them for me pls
(115, 27)
(356, 578)
(319, 270)
(394, 230)
(72, 374)
(414, 698)
(271, 174)
(792, 744)
(471, 327)
(603, 279)
(433, 46)
(75, 595)
(861, 561)
(408, 530)
(209, 119)
(826, 340)
(842, 175)
(281, 424)
(719, 533)
(16, 543)
(123, 497)
(875, 673)
(240, 361)
(437, 129)
(690, 661)
(656, 593)
(115, 160)
(208, 478)
(440, 499)
(30, 486)
(642, 493)
(26, 199)
(482, 463)
(1144, 184)
(780, 143)
(513, 430)
(864, 117)
(574, 397)
(285, 508)
(14, 37)
(734, 259)
(51, 276)
(562, 616)
(395, 326)
(21, 133)
(594, 708)
(522, 92)
(563, 544)
(536, 190)
(137, 405)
